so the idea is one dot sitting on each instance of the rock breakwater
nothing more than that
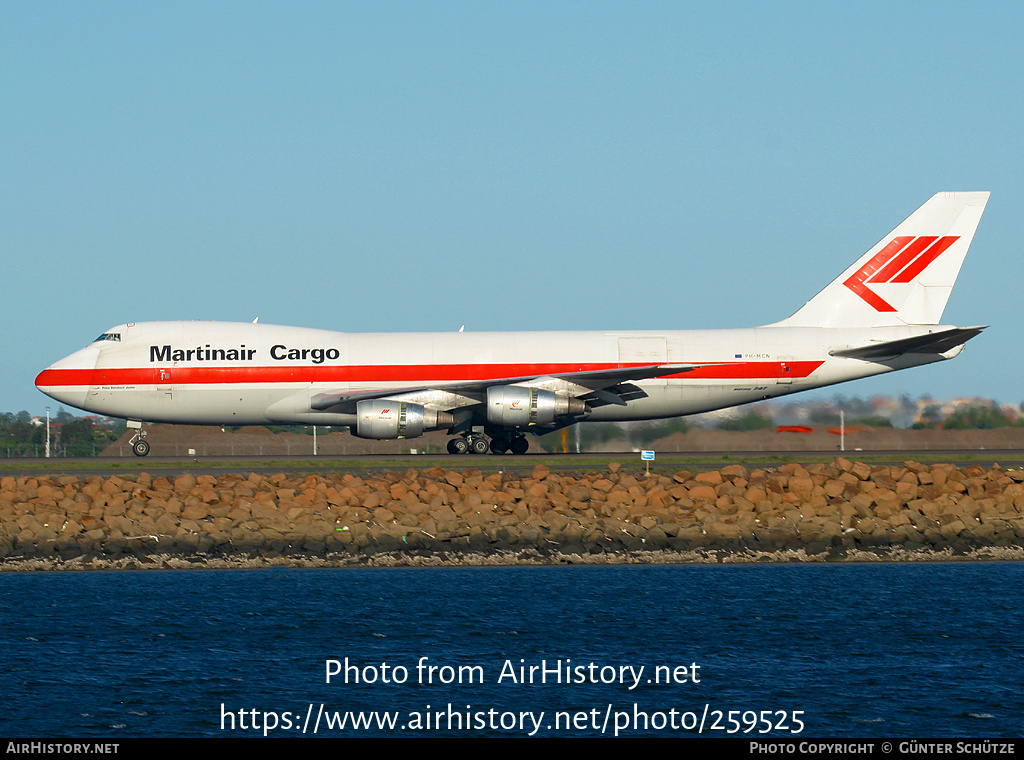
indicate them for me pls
(843, 510)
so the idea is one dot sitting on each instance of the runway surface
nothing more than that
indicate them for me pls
(370, 463)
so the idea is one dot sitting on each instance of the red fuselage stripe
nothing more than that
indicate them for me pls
(407, 374)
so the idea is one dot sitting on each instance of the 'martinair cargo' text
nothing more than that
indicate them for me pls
(168, 353)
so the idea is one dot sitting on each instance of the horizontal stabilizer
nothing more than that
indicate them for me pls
(932, 343)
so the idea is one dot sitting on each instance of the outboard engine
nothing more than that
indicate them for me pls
(397, 419)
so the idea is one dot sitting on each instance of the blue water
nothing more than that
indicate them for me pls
(930, 650)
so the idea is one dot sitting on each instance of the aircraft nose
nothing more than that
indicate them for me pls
(68, 381)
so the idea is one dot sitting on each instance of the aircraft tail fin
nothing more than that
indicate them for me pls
(906, 278)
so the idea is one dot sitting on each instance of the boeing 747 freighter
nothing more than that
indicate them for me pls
(489, 389)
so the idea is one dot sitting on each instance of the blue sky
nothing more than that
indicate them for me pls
(423, 165)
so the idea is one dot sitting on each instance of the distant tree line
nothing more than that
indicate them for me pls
(70, 436)
(749, 421)
(980, 417)
(639, 435)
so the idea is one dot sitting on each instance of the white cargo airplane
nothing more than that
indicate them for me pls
(488, 389)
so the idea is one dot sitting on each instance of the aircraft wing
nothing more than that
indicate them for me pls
(932, 343)
(603, 384)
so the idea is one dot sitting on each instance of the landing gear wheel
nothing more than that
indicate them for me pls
(140, 448)
(479, 445)
(499, 445)
(519, 444)
(458, 446)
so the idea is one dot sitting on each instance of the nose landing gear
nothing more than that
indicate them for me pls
(140, 446)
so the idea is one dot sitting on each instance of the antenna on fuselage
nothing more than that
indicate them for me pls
(256, 320)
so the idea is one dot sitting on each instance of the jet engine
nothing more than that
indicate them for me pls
(518, 406)
(397, 419)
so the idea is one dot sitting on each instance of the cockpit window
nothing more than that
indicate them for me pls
(109, 336)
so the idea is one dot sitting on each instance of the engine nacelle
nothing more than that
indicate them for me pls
(518, 406)
(397, 419)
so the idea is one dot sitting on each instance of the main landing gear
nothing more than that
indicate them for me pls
(474, 443)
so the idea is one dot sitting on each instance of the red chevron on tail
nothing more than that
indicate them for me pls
(900, 261)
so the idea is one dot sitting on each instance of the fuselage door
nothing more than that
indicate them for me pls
(785, 376)
(163, 382)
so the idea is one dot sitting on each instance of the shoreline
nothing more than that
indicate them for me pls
(842, 511)
(159, 562)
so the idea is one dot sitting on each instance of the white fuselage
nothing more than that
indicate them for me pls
(243, 373)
